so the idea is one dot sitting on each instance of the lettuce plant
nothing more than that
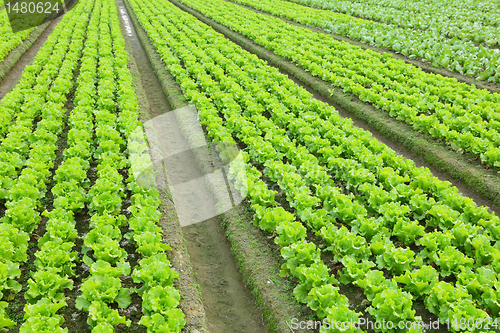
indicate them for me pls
(397, 260)
(297, 254)
(420, 281)
(315, 275)
(289, 233)
(407, 231)
(392, 305)
(323, 297)
(354, 270)
(450, 260)
(344, 243)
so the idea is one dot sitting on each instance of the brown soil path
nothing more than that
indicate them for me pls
(228, 303)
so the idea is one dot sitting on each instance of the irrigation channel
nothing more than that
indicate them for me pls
(228, 304)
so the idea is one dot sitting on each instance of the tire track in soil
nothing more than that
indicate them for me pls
(228, 303)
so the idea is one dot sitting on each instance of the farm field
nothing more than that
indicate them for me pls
(10, 40)
(51, 184)
(347, 230)
(449, 38)
(447, 110)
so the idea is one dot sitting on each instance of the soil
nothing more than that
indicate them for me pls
(75, 320)
(191, 303)
(260, 262)
(158, 102)
(15, 308)
(228, 304)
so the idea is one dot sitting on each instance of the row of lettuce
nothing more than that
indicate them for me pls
(115, 136)
(103, 128)
(303, 148)
(45, 84)
(16, 21)
(467, 15)
(485, 10)
(466, 25)
(464, 117)
(441, 45)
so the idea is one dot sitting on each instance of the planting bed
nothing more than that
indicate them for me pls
(335, 226)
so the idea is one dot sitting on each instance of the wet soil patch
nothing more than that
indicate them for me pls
(158, 102)
(134, 311)
(2, 208)
(191, 303)
(229, 305)
(260, 262)
(159, 86)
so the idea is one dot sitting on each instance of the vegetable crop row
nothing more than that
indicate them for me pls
(461, 115)
(56, 260)
(471, 10)
(8, 39)
(116, 120)
(209, 118)
(25, 193)
(39, 83)
(316, 176)
(466, 57)
(468, 25)
(104, 96)
(233, 100)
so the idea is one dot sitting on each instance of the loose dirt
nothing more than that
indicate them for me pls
(229, 305)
